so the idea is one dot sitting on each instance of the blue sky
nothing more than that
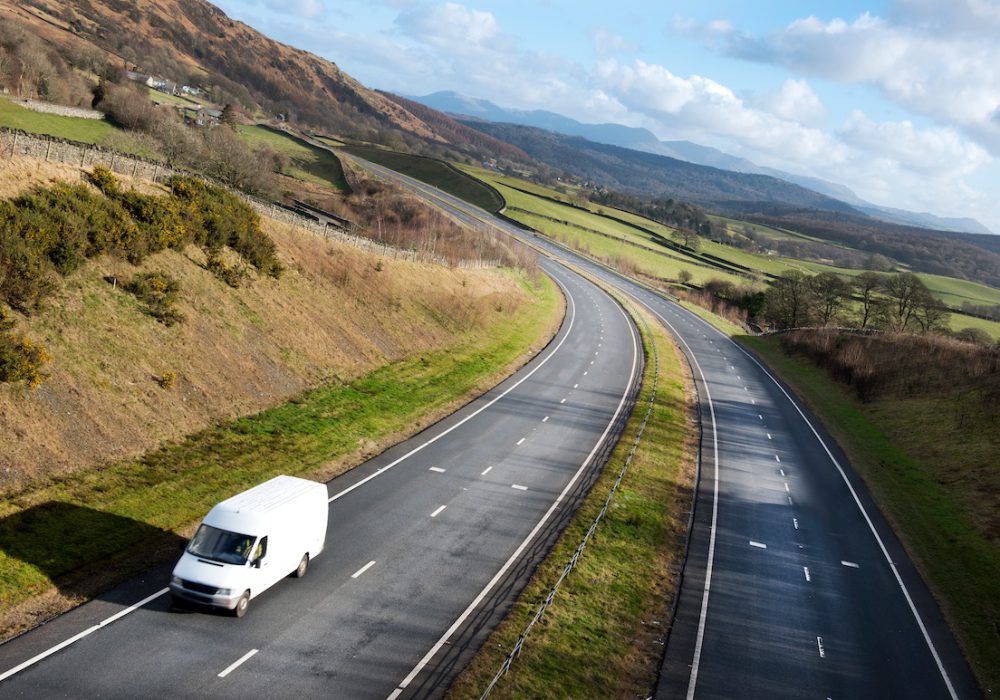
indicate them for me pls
(899, 99)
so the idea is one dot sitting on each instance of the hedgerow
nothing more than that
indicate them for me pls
(54, 229)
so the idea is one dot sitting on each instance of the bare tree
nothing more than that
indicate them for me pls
(867, 285)
(790, 300)
(830, 291)
(907, 293)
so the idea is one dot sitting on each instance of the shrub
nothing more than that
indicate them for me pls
(20, 358)
(168, 380)
(159, 292)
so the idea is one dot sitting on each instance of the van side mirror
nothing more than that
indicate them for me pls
(256, 562)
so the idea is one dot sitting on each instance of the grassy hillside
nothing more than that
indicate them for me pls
(434, 172)
(929, 459)
(304, 162)
(334, 314)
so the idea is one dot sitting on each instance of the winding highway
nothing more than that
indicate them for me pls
(794, 585)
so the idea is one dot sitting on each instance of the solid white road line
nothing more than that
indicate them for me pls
(438, 511)
(869, 522)
(363, 569)
(77, 637)
(531, 535)
(759, 545)
(851, 564)
(418, 448)
(519, 487)
(236, 664)
(439, 470)
(486, 471)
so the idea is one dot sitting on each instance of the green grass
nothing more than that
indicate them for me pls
(306, 162)
(62, 532)
(595, 640)
(73, 128)
(433, 172)
(935, 505)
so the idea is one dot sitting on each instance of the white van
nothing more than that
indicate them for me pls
(251, 541)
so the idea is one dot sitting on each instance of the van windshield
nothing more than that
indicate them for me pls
(221, 545)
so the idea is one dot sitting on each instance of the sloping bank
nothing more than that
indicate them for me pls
(106, 463)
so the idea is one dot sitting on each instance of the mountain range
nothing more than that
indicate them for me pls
(640, 139)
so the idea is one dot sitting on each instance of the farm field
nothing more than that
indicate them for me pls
(307, 163)
(74, 128)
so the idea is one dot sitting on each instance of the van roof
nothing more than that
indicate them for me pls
(269, 496)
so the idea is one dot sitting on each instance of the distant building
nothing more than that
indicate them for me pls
(193, 91)
(201, 116)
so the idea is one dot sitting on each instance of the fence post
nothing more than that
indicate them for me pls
(156, 169)
(48, 148)
(13, 146)
(135, 166)
(83, 155)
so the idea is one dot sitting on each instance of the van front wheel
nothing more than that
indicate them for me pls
(300, 571)
(242, 604)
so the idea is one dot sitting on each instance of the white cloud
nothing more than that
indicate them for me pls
(607, 41)
(941, 63)
(938, 151)
(451, 27)
(793, 101)
(700, 108)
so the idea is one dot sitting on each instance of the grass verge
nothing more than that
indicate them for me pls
(601, 637)
(60, 535)
(925, 508)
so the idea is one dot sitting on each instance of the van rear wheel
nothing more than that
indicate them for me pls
(242, 604)
(303, 566)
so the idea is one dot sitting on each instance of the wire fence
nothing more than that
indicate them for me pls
(519, 644)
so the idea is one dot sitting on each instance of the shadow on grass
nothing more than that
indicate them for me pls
(73, 545)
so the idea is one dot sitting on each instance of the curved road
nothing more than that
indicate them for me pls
(795, 585)
(427, 546)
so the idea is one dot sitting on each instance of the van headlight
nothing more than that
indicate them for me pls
(224, 591)
(176, 581)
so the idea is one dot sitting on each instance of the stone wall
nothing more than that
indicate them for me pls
(61, 110)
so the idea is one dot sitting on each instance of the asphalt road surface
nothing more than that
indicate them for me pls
(795, 586)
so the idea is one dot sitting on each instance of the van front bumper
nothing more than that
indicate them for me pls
(194, 592)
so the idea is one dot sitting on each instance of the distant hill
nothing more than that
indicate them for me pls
(195, 43)
(649, 174)
(644, 140)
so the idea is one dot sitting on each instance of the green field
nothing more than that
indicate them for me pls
(589, 232)
(307, 163)
(433, 172)
(73, 128)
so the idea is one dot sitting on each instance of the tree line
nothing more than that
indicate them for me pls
(898, 302)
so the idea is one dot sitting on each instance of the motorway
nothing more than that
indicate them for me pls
(795, 585)
(427, 546)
